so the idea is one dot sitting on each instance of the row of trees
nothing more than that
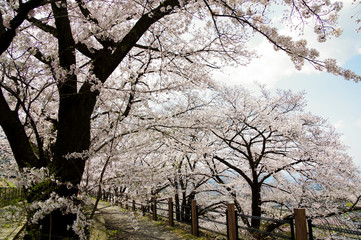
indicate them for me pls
(86, 84)
(264, 153)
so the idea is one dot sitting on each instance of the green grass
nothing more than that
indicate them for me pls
(113, 233)
(183, 230)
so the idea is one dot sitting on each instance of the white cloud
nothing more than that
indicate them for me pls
(339, 124)
(267, 69)
(271, 67)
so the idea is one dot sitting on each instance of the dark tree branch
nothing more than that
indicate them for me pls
(8, 34)
(239, 171)
(15, 132)
(106, 61)
(43, 26)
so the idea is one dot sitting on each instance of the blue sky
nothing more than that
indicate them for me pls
(328, 96)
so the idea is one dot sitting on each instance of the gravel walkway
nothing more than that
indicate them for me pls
(120, 225)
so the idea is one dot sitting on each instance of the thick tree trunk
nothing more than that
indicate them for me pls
(177, 207)
(185, 216)
(52, 227)
(73, 132)
(73, 137)
(256, 209)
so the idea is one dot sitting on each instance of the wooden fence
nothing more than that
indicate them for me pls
(337, 233)
(231, 225)
(8, 195)
(299, 227)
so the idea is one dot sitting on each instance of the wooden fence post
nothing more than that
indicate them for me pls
(310, 233)
(194, 218)
(154, 206)
(170, 212)
(143, 209)
(300, 223)
(126, 201)
(231, 222)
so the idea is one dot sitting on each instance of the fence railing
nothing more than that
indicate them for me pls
(337, 233)
(227, 222)
(274, 234)
(8, 195)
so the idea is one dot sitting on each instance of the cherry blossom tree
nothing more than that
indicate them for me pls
(279, 155)
(263, 152)
(65, 64)
(166, 160)
(155, 151)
